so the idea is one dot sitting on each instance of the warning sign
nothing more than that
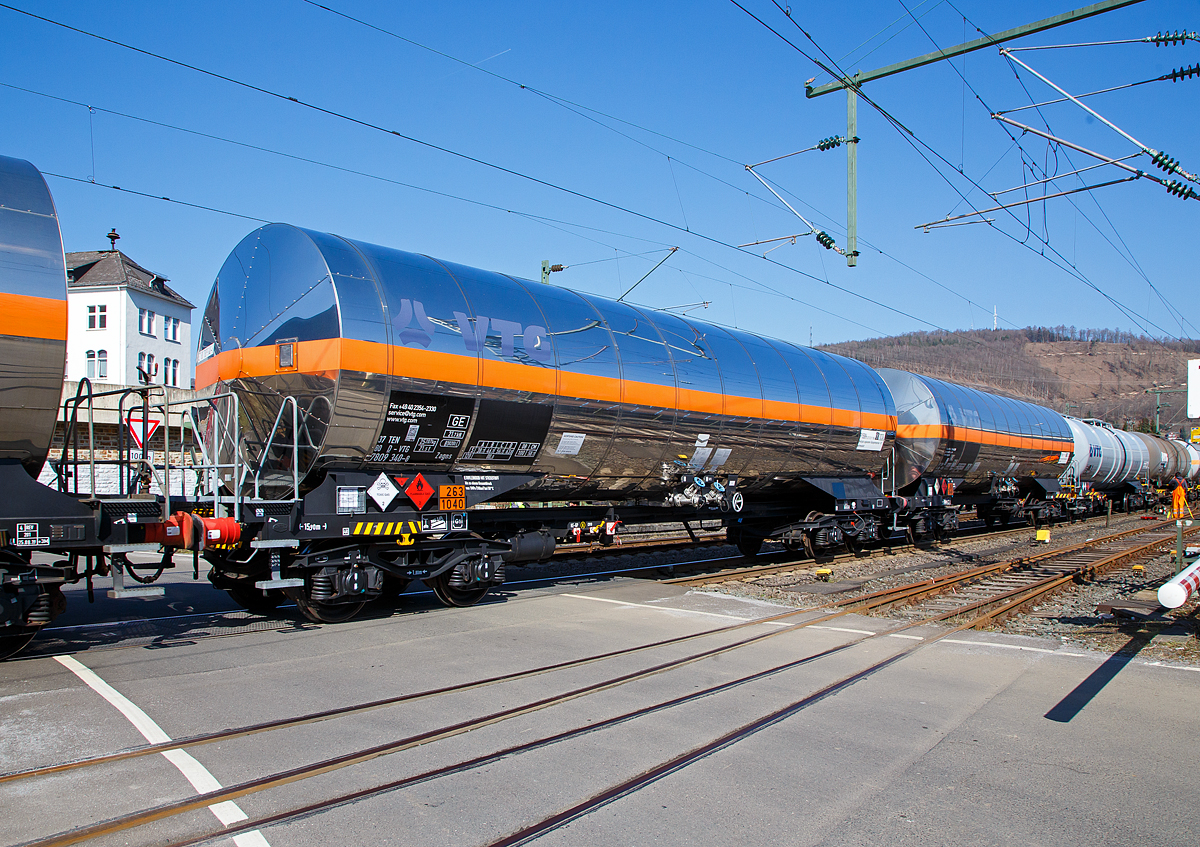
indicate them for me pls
(136, 423)
(420, 491)
(451, 497)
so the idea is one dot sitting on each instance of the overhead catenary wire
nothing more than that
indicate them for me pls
(1125, 252)
(464, 156)
(787, 267)
(158, 197)
(1006, 52)
(1167, 77)
(917, 144)
(920, 146)
(1127, 255)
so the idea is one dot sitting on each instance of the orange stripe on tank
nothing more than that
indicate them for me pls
(942, 432)
(348, 354)
(24, 316)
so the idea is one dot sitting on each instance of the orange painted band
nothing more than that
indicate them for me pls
(329, 356)
(33, 317)
(941, 432)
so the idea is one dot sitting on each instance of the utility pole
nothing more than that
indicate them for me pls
(1158, 403)
(852, 174)
(854, 84)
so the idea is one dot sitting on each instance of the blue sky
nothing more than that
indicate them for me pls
(652, 109)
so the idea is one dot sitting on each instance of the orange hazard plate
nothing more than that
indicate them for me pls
(452, 497)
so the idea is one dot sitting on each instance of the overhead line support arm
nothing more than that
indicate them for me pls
(971, 46)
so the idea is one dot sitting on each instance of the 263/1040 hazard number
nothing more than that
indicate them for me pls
(452, 497)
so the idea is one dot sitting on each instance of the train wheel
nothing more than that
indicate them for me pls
(809, 547)
(321, 612)
(748, 545)
(254, 599)
(453, 595)
(11, 645)
(853, 544)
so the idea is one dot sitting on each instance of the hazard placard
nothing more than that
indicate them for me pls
(451, 497)
(136, 423)
(419, 491)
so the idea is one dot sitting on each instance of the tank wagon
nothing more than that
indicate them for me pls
(423, 391)
(999, 455)
(403, 417)
(75, 534)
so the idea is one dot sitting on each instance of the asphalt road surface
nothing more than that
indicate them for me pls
(978, 739)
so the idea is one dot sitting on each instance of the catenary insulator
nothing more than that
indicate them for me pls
(1181, 190)
(1184, 73)
(1170, 38)
(1164, 162)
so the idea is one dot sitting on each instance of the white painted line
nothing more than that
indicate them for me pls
(843, 629)
(998, 644)
(906, 637)
(195, 773)
(1063, 653)
(672, 609)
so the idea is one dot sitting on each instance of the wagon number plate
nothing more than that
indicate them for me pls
(452, 497)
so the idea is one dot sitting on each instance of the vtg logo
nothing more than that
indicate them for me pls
(475, 334)
(1094, 451)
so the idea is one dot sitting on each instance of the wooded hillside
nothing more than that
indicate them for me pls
(1093, 373)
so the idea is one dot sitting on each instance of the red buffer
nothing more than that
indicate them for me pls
(189, 531)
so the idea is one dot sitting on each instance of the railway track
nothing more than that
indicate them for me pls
(978, 597)
(792, 560)
(185, 629)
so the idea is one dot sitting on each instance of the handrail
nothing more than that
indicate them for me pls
(201, 453)
(289, 400)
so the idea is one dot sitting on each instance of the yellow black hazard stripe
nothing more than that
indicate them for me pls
(407, 530)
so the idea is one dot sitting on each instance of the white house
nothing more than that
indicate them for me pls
(122, 317)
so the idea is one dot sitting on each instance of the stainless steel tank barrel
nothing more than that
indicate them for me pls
(963, 433)
(33, 314)
(403, 361)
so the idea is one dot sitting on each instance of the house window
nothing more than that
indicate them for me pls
(171, 328)
(97, 317)
(150, 369)
(145, 322)
(175, 370)
(141, 362)
(102, 364)
(91, 364)
(166, 367)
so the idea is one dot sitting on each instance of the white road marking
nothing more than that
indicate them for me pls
(843, 629)
(1063, 653)
(671, 609)
(998, 644)
(204, 782)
